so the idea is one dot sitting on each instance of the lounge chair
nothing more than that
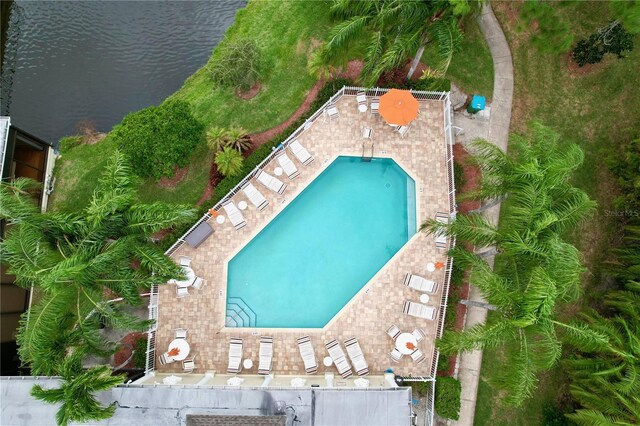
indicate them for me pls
(332, 112)
(419, 310)
(165, 359)
(419, 283)
(300, 152)
(367, 133)
(255, 196)
(308, 355)
(235, 355)
(271, 182)
(375, 106)
(188, 365)
(266, 355)
(185, 261)
(234, 214)
(441, 238)
(339, 360)
(396, 355)
(198, 283)
(287, 165)
(181, 292)
(419, 334)
(181, 333)
(356, 356)
(393, 331)
(403, 130)
(418, 357)
(361, 97)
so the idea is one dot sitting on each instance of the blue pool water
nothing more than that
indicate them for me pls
(323, 247)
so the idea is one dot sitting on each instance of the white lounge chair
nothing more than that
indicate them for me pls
(308, 355)
(287, 165)
(419, 310)
(441, 238)
(273, 183)
(185, 261)
(188, 365)
(393, 331)
(300, 152)
(181, 292)
(235, 355)
(181, 333)
(198, 283)
(255, 196)
(361, 97)
(234, 214)
(396, 355)
(332, 112)
(356, 356)
(339, 360)
(375, 106)
(165, 359)
(266, 355)
(403, 130)
(419, 283)
(367, 133)
(418, 357)
(419, 334)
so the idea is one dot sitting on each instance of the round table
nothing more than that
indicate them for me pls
(183, 346)
(327, 361)
(242, 205)
(278, 171)
(362, 107)
(401, 343)
(191, 277)
(247, 363)
(424, 298)
(431, 266)
(220, 219)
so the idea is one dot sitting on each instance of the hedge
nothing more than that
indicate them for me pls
(447, 402)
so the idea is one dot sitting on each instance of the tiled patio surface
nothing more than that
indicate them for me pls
(422, 153)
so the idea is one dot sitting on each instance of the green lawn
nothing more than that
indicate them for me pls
(286, 32)
(595, 109)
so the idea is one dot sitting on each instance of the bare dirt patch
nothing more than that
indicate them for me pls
(127, 345)
(177, 177)
(251, 93)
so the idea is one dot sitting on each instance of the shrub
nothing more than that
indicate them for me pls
(238, 66)
(69, 142)
(625, 165)
(612, 38)
(229, 161)
(420, 388)
(157, 139)
(553, 416)
(140, 355)
(430, 84)
(447, 401)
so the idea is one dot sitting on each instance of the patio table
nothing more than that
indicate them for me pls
(401, 343)
(191, 277)
(183, 347)
(220, 219)
(362, 108)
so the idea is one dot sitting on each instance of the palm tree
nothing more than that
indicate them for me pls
(229, 161)
(77, 262)
(607, 383)
(534, 268)
(78, 404)
(234, 137)
(396, 30)
(217, 138)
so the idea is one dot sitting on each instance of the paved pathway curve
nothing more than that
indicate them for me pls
(471, 362)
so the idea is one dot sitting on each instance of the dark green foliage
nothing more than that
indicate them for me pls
(420, 388)
(429, 84)
(69, 142)
(237, 66)
(553, 416)
(447, 401)
(553, 35)
(157, 139)
(458, 176)
(626, 167)
(140, 356)
(610, 39)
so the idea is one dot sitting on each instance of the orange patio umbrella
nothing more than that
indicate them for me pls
(398, 107)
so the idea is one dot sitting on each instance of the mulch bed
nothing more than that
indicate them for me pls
(127, 344)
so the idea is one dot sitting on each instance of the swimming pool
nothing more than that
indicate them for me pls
(305, 265)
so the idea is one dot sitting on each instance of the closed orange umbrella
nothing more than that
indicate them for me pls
(398, 107)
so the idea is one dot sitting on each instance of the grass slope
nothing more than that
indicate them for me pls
(286, 32)
(595, 109)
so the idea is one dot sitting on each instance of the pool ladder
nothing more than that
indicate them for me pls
(239, 314)
(366, 158)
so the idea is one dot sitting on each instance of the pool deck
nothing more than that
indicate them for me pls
(422, 154)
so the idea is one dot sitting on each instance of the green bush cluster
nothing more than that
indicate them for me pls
(159, 138)
(238, 65)
(140, 355)
(626, 167)
(611, 39)
(69, 142)
(447, 403)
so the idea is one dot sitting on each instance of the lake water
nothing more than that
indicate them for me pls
(71, 61)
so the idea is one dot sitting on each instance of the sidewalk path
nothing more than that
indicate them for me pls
(471, 362)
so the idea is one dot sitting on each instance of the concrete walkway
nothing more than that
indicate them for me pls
(469, 363)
